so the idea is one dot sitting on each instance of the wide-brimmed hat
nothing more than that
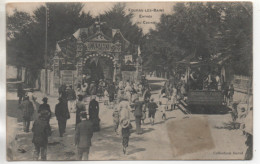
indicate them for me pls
(124, 123)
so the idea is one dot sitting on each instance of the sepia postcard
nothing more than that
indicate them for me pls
(129, 81)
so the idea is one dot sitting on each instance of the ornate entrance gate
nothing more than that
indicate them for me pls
(99, 67)
(91, 52)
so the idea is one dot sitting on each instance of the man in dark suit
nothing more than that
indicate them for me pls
(27, 109)
(84, 133)
(138, 105)
(41, 131)
(62, 114)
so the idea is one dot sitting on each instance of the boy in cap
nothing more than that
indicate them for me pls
(152, 106)
(84, 133)
(163, 105)
(116, 119)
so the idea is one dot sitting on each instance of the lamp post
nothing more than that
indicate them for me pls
(46, 51)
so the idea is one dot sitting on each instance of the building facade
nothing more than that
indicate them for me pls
(97, 52)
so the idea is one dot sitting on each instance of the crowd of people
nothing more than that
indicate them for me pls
(177, 87)
(125, 98)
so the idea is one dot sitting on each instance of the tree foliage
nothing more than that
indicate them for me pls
(204, 30)
(27, 47)
(117, 18)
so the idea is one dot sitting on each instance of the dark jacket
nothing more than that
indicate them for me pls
(45, 107)
(138, 109)
(62, 111)
(41, 130)
(71, 95)
(152, 107)
(20, 91)
(27, 108)
(93, 109)
(84, 133)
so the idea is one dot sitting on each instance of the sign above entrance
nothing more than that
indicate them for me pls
(98, 46)
(101, 46)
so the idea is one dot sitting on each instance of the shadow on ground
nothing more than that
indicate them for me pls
(13, 110)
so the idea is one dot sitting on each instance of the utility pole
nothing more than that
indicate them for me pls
(46, 52)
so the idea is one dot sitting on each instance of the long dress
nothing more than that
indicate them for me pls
(124, 115)
(94, 114)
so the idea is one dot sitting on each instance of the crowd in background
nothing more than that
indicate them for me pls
(125, 98)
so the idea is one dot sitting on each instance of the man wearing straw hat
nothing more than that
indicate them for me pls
(62, 114)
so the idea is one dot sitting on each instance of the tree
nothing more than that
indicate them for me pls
(237, 36)
(16, 22)
(117, 18)
(204, 30)
(29, 41)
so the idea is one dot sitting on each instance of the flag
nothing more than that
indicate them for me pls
(58, 49)
(47, 16)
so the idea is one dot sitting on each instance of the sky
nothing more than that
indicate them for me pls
(146, 14)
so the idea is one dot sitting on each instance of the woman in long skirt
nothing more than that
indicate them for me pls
(125, 124)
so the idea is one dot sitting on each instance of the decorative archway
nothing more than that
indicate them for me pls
(109, 56)
(98, 67)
